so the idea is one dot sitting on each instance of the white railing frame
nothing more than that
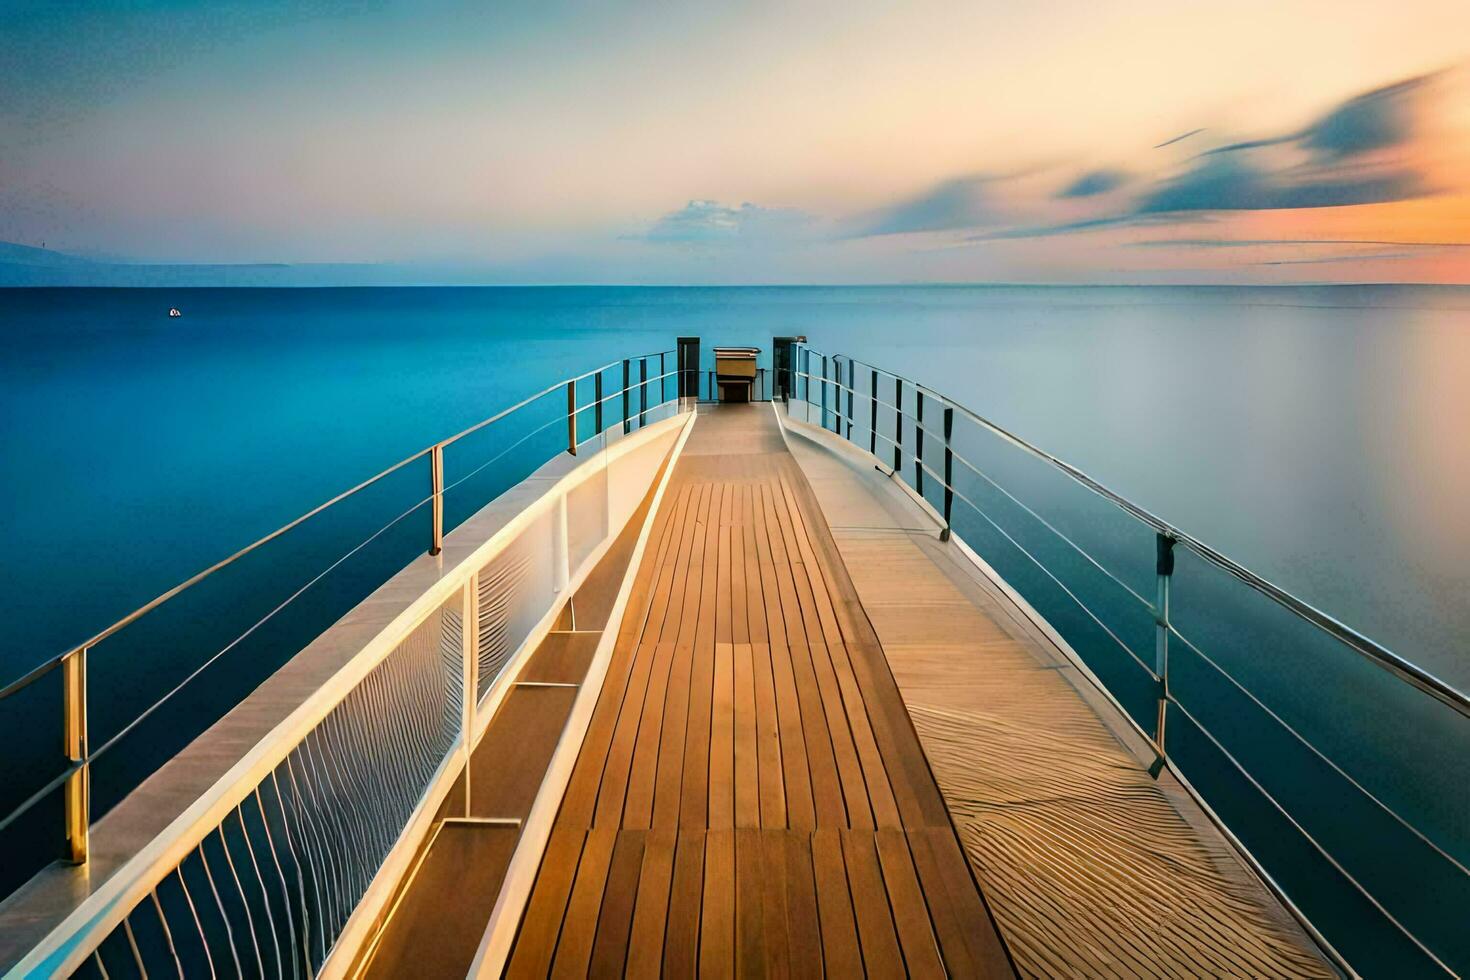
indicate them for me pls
(67, 945)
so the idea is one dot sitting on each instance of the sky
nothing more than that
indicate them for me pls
(1124, 141)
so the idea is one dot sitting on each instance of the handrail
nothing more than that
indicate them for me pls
(51, 663)
(353, 817)
(1173, 629)
(1354, 640)
(75, 777)
(1165, 629)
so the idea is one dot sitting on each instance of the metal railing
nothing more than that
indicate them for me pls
(519, 438)
(287, 864)
(1334, 765)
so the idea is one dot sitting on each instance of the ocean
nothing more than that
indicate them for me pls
(1313, 434)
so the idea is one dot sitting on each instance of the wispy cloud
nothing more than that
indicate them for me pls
(1344, 158)
(1059, 228)
(1261, 242)
(713, 223)
(961, 202)
(1179, 138)
(1233, 183)
(1350, 257)
(1094, 182)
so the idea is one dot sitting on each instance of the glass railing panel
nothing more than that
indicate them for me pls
(857, 405)
(1370, 767)
(202, 652)
(641, 395)
(888, 421)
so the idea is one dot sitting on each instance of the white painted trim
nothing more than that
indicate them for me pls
(72, 940)
(515, 891)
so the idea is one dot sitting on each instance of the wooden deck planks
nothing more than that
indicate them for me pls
(615, 920)
(650, 912)
(745, 798)
(1090, 866)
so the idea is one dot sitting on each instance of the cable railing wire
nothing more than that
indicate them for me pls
(1048, 573)
(1319, 753)
(1316, 845)
(515, 445)
(939, 479)
(1038, 563)
(43, 669)
(51, 663)
(97, 752)
(1448, 695)
(1173, 629)
(927, 432)
(1359, 643)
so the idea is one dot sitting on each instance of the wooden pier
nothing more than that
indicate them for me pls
(822, 747)
(751, 797)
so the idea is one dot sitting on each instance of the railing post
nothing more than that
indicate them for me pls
(470, 643)
(571, 418)
(1164, 568)
(898, 426)
(850, 370)
(642, 392)
(436, 481)
(948, 472)
(824, 391)
(597, 400)
(78, 789)
(627, 416)
(919, 441)
(873, 416)
(663, 380)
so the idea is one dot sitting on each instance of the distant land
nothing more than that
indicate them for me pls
(30, 266)
(26, 265)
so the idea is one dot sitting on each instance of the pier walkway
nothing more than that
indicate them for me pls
(1092, 866)
(751, 797)
(824, 745)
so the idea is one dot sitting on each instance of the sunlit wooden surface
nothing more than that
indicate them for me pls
(751, 797)
(1091, 867)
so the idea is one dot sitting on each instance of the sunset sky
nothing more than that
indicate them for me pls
(1056, 141)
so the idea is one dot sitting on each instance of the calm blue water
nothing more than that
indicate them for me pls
(1314, 434)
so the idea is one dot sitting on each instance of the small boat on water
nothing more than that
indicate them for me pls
(174, 311)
